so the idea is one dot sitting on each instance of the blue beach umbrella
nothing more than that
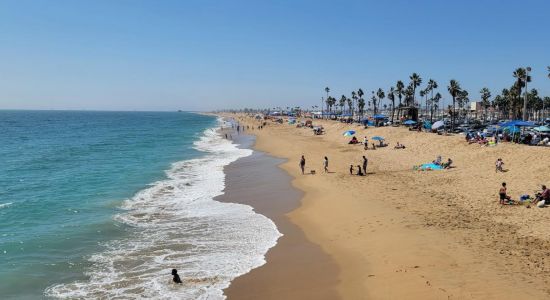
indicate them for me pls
(512, 129)
(349, 133)
(409, 122)
(377, 138)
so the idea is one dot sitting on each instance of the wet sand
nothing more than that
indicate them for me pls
(296, 268)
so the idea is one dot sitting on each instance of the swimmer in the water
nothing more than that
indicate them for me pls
(177, 278)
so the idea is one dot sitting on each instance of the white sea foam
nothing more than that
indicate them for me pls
(179, 225)
(3, 205)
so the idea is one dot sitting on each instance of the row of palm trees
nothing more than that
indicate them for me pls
(508, 105)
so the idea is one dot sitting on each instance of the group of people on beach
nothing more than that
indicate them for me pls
(541, 198)
(361, 171)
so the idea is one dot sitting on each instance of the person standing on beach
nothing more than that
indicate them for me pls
(350, 169)
(325, 164)
(303, 164)
(365, 163)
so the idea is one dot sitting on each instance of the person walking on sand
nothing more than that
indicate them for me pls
(325, 164)
(365, 163)
(359, 172)
(303, 164)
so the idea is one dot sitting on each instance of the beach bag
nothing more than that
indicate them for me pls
(540, 204)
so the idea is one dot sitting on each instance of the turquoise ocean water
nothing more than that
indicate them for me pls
(102, 204)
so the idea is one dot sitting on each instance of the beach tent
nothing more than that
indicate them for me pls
(409, 122)
(349, 133)
(438, 124)
(542, 129)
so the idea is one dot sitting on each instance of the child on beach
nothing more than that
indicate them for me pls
(359, 171)
(350, 169)
(504, 198)
(498, 165)
(325, 164)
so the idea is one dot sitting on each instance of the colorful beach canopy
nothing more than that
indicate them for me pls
(377, 138)
(438, 124)
(518, 123)
(379, 116)
(349, 133)
(542, 129)
(409, 122)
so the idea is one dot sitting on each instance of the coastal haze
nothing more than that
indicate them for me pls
(274, 150)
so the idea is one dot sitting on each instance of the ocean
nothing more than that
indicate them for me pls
(105, 204)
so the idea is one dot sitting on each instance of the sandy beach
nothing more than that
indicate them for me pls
(403, 234)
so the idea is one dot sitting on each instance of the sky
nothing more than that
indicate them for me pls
(207, 55)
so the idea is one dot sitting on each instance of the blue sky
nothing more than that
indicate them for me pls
(201, 55)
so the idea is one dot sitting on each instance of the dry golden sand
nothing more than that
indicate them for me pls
(404, 234)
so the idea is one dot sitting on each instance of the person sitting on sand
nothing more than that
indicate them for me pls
(503, 194)
(176, 278)
(399, 146)
(373, 146)
(544, 195)
(353, 141)
(447, 165)
(359, 171)
(437, 161)
(498, 165)
(350, 169)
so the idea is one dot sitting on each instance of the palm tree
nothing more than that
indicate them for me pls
(462, 99)
(415, 82)
(342, 103)
(548, 72)
(353, 96)
(391, 97)
(360, 94)
(432, 85)
(409, 95)
(454, 89)
(521, 80)
(422, 94)
(361, 106)
(485, 95)
(380, 93)
(399, 90)
(374, 102)
(435, 104)
(350, 106)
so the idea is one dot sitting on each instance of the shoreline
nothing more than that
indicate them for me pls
(295, 267)
(384, 244)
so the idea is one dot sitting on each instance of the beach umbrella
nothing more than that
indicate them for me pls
(349, 133)
(438, 124)
(542, 129)
(409, 122)
(377, 138)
